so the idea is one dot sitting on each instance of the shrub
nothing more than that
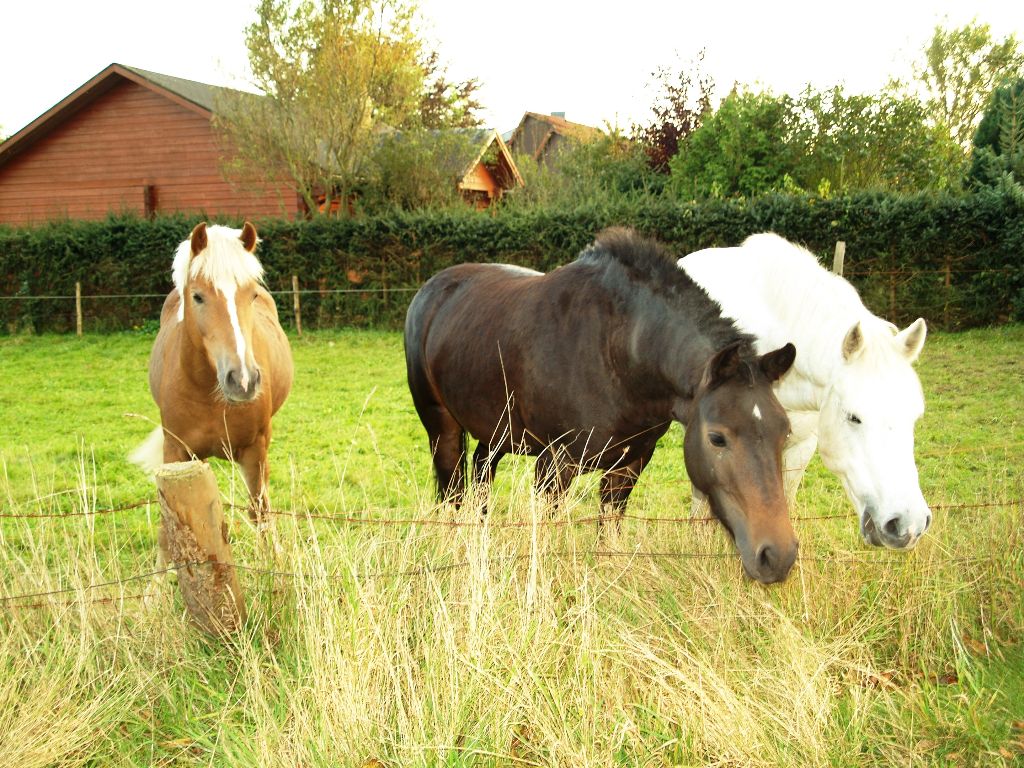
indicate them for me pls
(953, 259)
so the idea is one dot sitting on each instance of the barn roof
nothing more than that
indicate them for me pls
(190, 94)
(200, 94)
(554, 125)
(479, 141)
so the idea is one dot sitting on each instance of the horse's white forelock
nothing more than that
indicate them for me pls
(882, 368)
(224, 262)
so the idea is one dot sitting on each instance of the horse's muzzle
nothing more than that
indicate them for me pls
(771, 563)
(231, 385)
(895, 533)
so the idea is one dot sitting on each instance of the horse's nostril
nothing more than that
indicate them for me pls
(232, 381)
(766, 558)
(927, 521)
(892, 527)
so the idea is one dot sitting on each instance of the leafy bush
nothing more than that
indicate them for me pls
(954, 259)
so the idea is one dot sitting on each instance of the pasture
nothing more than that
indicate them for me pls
(386, 632)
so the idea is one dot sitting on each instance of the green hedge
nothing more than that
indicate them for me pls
(955, 260)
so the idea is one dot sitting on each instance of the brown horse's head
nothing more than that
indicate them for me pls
(733, 449)
(217, 277)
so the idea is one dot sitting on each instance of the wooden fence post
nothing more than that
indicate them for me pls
(295, 303)
(947, 285)
(839, 257)
(194, 537)
(78, 307)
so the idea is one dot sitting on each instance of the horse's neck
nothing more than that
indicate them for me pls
(780, 303)
(669, 357)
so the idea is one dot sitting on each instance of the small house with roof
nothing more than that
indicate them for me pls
(128, 140)
(542, 137)
(485, 171)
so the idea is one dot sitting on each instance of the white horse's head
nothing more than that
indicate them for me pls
(866, 431)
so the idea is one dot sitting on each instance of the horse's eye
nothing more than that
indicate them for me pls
(716, 439)
(197, 298)
(853, 418)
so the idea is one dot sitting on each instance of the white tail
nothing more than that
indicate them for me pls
(150, 454)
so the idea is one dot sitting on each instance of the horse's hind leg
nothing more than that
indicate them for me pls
(448, 449)
(485, 462)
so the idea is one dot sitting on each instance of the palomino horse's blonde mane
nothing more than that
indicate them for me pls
(224, 262)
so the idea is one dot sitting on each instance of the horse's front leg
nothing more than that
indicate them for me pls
(174, 449)
(797, 453)
(618, 483)
(253, 461)
(485, 462)
(553, 474)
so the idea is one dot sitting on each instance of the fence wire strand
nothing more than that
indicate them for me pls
(355, 520)
(861, 557)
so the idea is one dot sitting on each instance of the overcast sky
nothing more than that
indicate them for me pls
(590, 60)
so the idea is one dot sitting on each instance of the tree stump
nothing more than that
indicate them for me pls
(194, 537)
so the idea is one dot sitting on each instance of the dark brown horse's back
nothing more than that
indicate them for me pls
(521, 360)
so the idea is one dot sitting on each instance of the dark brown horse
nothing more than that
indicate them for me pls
(586, 367)
(221, 366)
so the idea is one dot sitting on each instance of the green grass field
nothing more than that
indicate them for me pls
(414, 644)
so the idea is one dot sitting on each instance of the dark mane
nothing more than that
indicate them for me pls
(634, 262)
(644, 259)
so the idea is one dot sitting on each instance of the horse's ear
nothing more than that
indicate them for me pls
(911, 339)
(198, 238)
(248, 237)
(723, 366)
(853, 344)
(776, 363)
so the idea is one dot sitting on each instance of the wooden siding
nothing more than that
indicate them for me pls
(480, 179)
(105, 155)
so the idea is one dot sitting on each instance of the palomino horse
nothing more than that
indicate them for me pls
(586, 367)
(221, 366)
(852, 392)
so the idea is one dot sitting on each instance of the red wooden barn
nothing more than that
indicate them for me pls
(128, 140)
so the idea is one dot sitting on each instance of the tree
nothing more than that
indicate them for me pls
(333, 75)
(683, 99)
(824, 142)
(444, 104)
(748, 146)
(998, 151)
(961, 68)
(885, 141)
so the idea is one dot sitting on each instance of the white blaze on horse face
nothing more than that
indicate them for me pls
(866, 437)
(757, 412)
(229, 292)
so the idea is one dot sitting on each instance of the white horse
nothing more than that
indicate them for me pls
(852, 392)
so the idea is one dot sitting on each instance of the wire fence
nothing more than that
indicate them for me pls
(956, 299)
(22, 601)
(353, 520)
(32, 600)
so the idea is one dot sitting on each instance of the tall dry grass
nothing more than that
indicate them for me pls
(548, 644)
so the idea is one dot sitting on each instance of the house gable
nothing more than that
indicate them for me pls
(541, 137)
(123, 143)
